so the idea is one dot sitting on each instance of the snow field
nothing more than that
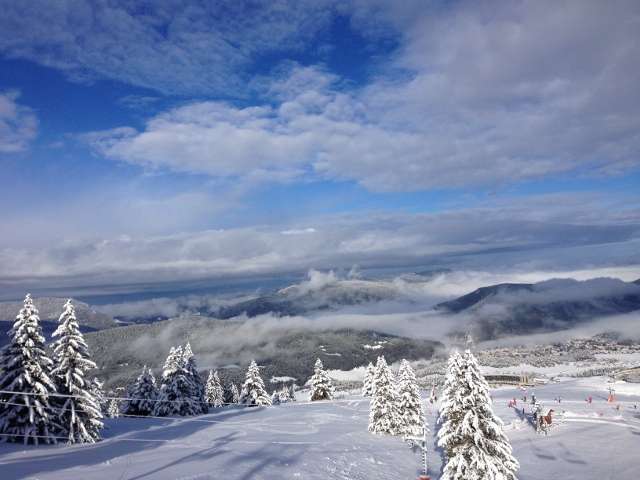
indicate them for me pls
(297, 440)
(329, 440)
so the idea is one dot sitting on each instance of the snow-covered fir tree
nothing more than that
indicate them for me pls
(452, 385)
(141, 395)
(26, 416)
(367, 383)
(384, 416)
(79, 412)
(213, 392)
(410, 401)
(230, 395)
(253, 392)
(176, 389)
(96, 387)
(195, 381)
(321, 385)
(292, 392)
(235, 394)
(284, 395)
(471, 434)
(275, 397)
(113, 410)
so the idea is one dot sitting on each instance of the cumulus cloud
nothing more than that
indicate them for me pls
(18, 123)
(487, 97)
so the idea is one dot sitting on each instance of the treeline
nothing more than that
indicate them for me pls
(45, 396)
(470, 435)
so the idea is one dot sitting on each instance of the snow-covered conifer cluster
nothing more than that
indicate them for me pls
(196, 385)
(321, 385)
(113, 408)
(253, 391)
(41, 403)
(471, 434)
(384, 411)
(181, 390)
(213, 391)
(141, 395)
(396, 405)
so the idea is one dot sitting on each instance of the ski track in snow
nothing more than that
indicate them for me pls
(329, 440)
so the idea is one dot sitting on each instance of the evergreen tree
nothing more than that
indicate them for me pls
(26, 416)
(284, 395)
(410, 401)
(253, 392)
(275, 397)
(384, 416)
(471, 434)
(367, 384)
(235, 394)
(452, 387)
(113, 410)
(79, 412)
(197, 389)
(141, 395)
(227, 393)
(214, 392)
(292, 392)
(175, 395)
(96, 388)
(321, 385)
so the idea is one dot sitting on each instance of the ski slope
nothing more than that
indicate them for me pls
(329, 440)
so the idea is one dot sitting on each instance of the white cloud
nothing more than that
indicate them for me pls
(197, 48)
(475, 93)
(514, 238)
(489, 95)
(299, 231)
(18, 123)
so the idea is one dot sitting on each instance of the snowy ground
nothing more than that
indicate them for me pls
(328, 440)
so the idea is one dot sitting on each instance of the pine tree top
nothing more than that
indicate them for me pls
(187, 353)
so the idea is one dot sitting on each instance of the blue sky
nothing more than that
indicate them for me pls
(171, 141)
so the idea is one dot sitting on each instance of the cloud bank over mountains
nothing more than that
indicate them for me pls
(490, 239)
